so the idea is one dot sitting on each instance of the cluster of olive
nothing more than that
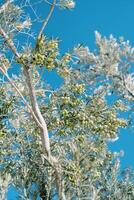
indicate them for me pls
(69, 113)
(44, 54)
(122, 123)
(25, 59)
(66, 58)
(74, 119)
(62, 132)
(66, 100)
(69, 118)
(78, 88)
(65, 113)
(115, 121)
(108, 126)
(83, 118)
(102, 120)
(64, 70)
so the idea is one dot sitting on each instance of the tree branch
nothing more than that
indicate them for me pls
(47, 19)
(35, 107)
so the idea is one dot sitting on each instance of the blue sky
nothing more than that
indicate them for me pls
(78, 26)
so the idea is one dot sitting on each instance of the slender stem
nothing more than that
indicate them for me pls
(47, 19)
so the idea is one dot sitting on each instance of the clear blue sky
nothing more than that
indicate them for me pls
(78, 26)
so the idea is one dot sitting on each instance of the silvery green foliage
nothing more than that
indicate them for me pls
(111, 67)
(113, 59)
(79, 118)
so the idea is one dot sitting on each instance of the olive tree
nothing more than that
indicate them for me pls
(54, 141)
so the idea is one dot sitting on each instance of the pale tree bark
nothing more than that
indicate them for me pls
(35, 107)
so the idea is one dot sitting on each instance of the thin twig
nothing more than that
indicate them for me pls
(47, 19)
